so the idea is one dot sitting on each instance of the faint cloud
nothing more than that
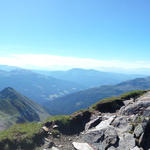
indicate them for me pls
(62, 62)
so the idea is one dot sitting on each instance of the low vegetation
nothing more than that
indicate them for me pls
(64, 120)
(28, 136)
(71, 124)
(114, 103)
(133, 94)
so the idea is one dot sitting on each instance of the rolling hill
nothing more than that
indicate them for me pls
(16, 108)
(79, 100)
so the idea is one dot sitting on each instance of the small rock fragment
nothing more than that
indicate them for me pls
(45, 128)
(55, 126)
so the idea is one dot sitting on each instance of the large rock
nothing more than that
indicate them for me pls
(110, 138)
(146, 112)
(138, 130)
(128, 102)
(104, 124)
(135, 108)
(136, 148)
(54, 148)
(93, 123)
(122, 124)
(126, 141)
(94, 138)
(102, 139)
(82, 146)
(111, 148)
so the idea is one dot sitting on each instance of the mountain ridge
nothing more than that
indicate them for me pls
(16, 108)
(90, 77)
(28, 83)
(85, 98)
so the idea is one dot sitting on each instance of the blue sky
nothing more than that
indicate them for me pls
(100, 30)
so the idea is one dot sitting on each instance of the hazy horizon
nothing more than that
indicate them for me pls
(139, 71)
(110, 35)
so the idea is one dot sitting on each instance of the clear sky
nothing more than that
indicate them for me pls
(107, 32)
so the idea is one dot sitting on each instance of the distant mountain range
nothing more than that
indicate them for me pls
(79, 100)
(8, 68)
(39, 88)
(16, 108)
(43, 86)
(90, 78)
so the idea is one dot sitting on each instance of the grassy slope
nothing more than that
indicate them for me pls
(29, 136)
(15, 107)
(22, 136)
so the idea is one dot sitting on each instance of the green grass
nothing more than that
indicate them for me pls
(20, 131)
(71, 124)
(133, 94)
(82, 111)
(125, 96)
(62, 119)
(105, 100)
(25, 136)
(28, 136)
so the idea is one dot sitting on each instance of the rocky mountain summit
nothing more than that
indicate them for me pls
(125, 128)
(116, 123)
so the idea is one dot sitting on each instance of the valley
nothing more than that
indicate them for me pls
(85, 98)
(35, 126)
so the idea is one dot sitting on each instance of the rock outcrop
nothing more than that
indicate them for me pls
(126, 129)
